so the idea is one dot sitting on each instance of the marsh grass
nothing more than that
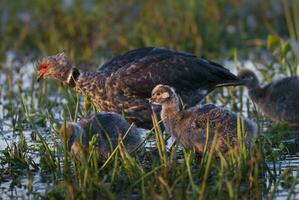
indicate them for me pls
(159, 173)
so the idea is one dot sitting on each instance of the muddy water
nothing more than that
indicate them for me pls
(34, 183)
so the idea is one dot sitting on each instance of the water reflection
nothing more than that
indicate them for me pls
(286, 170)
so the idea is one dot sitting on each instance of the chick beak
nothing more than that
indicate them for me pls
(150, 100)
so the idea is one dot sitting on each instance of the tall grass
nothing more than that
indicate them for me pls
(85, 29)
(156, 173)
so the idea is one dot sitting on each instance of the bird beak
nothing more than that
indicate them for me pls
(152, 101)
(40, 77)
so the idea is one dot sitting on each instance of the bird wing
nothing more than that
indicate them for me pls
(284, 95)
(211, 114)
(284, 91)
(125, 59)
(142, 69)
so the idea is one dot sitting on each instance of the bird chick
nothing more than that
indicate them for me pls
(278, 100)
(108, 126)
(189, 126)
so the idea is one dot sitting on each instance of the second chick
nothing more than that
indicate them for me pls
(108, 126)
(189, 126)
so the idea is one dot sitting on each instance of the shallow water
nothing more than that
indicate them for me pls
(290, 166)
(33, 183)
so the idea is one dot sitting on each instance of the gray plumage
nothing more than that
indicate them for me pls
(105, 125)
(278, 100)
(124, 83)
(190, 126)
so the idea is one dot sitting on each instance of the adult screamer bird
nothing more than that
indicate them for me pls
(124, 83)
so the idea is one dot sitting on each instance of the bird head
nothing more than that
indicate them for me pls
(249, 78)
(70, 133)
(162, 94)
(56, 66)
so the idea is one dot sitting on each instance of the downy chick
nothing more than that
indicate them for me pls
(278, 100)
(189, 126)
(108, 126)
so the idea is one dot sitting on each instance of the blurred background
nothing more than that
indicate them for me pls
(91, 29)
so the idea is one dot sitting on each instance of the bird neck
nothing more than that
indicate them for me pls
(90, 84)
(253, 83)
(169, 113)
(256, 93)
(72, 77)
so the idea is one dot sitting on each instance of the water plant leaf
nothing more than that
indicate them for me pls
(273, 42)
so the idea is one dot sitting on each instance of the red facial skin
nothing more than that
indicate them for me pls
(42, 70)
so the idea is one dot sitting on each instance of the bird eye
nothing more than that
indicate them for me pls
(43, 66)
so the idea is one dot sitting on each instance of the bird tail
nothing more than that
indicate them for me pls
(230, 83)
